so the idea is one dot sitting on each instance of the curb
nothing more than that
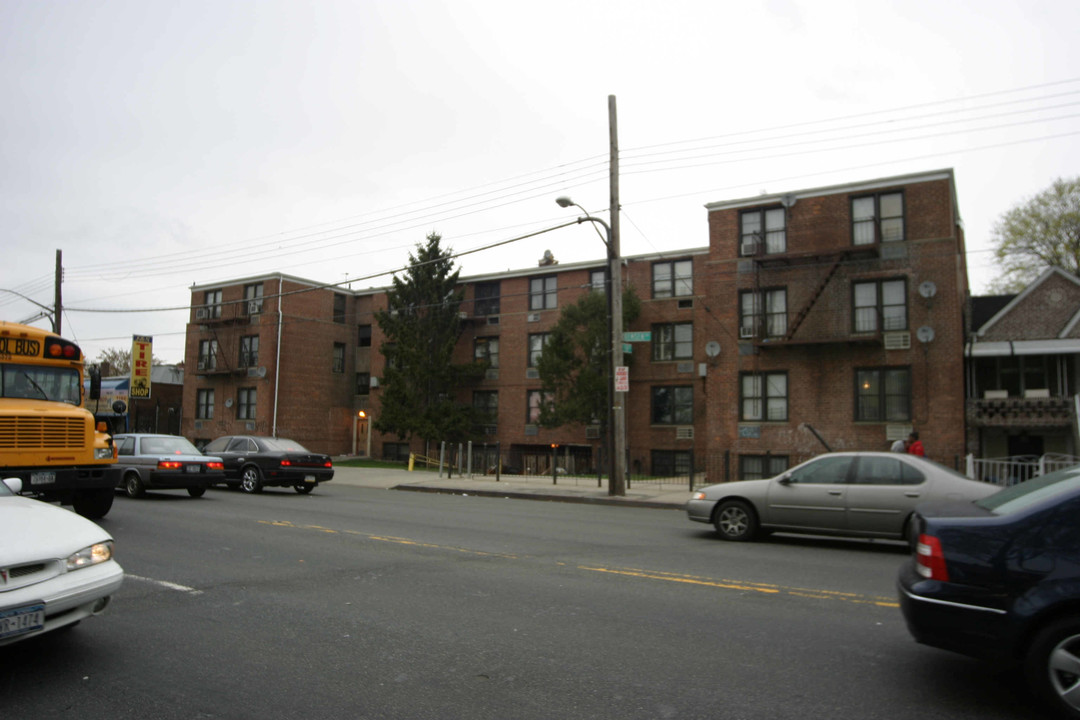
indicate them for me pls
(583, 500)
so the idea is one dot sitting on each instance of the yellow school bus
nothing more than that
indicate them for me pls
(48, 438)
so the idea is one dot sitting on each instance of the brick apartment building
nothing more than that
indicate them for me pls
(834, 312)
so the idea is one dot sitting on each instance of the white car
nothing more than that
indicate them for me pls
(56, 568)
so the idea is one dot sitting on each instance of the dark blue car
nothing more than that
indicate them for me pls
(999, 579)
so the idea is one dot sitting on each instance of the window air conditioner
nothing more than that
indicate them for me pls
(201, 313)
(532, 373)
(897, 340)
(254, 307)
(592, 432)
(749, 247)
(684, 433)
(746, 332)
(534, 317)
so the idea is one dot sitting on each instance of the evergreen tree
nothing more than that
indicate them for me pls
(422, 328)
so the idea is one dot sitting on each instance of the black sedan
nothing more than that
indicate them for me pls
(999, 578)
(164, 462)
(252, 463)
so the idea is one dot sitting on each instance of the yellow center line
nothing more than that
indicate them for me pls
(664, 575)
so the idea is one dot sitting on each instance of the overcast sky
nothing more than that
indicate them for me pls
(161, 144)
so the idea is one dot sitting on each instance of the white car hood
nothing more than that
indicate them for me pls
(32, 530)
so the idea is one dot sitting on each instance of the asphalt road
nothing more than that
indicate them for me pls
(364, 603)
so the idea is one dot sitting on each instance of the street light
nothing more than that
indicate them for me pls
(616, 434)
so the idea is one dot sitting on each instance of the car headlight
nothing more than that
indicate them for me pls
(93, 555)
(698, 496)
(103, 453)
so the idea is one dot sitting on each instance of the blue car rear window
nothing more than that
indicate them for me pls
(1017, 497)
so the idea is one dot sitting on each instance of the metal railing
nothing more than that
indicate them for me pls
(1016, 469)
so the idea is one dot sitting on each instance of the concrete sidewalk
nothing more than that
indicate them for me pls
(531, 487)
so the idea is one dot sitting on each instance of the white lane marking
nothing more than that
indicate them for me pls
(166, 584)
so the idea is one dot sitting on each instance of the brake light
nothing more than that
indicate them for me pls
(215, 466)
(286, 462)
(169, 465)
(328, 464)
(930, 559)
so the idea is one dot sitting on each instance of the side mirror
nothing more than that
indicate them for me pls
(13, 484)
(95, 382)
(785, 479)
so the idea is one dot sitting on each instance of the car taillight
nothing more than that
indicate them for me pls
(215, 466)
(286, 463)
(930, 559)
(328, 464)
(169, 465)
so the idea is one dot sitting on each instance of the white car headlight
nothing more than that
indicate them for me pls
(104, 453)
(99, 553)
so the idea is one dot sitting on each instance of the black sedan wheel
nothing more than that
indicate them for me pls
(196, 491)
(1052, 666)
(133, 486)
(251, 480)
(735, 520)
(304, 488)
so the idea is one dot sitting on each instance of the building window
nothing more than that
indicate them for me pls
(877, 218)
(883, 394)
(673, 279)
(884, 299)
(204, 405)
(486, 403)
(542, 293)
(769, 306)
(670, 463)
(339, 307)
(536, 347)
(763, 231)
(212, 302)
(673, 405)
(672, 341)
(363, 383)
(487, 299)
(245, 404)
(535, 400)
(249, 351)
(395, 451)
(763, 396)
(598, 280)
(339, 358)
(486, 350)
(253, 299)
(758, 467)
(363, 336)
(207, 355)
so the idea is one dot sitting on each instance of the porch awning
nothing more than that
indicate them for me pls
(1057, 346)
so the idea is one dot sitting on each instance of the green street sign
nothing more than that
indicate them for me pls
(641, 336)
(627, 348)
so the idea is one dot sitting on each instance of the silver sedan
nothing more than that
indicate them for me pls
(866, 494)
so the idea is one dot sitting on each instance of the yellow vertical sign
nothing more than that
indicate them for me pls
(142, 347)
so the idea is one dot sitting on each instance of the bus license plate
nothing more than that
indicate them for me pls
(20, 620)
(42, 478)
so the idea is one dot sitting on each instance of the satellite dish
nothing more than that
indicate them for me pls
(788, 200)
(262, 371)
(925, 334)
(228, 402)
(928, 289)
(712, 348)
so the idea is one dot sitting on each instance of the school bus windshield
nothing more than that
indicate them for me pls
(34, 382)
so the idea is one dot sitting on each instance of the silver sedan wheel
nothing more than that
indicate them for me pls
(735, 520)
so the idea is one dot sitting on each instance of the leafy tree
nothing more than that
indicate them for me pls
(422, 328)
(574, 365)
(1039, 233)
(119, 360)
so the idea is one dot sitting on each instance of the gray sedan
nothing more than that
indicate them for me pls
(866, 494)
(161, 462)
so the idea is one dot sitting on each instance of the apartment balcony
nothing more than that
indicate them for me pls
(1037, 409)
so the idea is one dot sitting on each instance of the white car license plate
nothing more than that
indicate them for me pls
(309, 478)
(42, 478)
(191, 468)
(16, 621)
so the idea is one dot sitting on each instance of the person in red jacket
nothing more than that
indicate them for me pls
(914, 445)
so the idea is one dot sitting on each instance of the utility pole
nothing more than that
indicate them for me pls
(617, 482)
(58, 306)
